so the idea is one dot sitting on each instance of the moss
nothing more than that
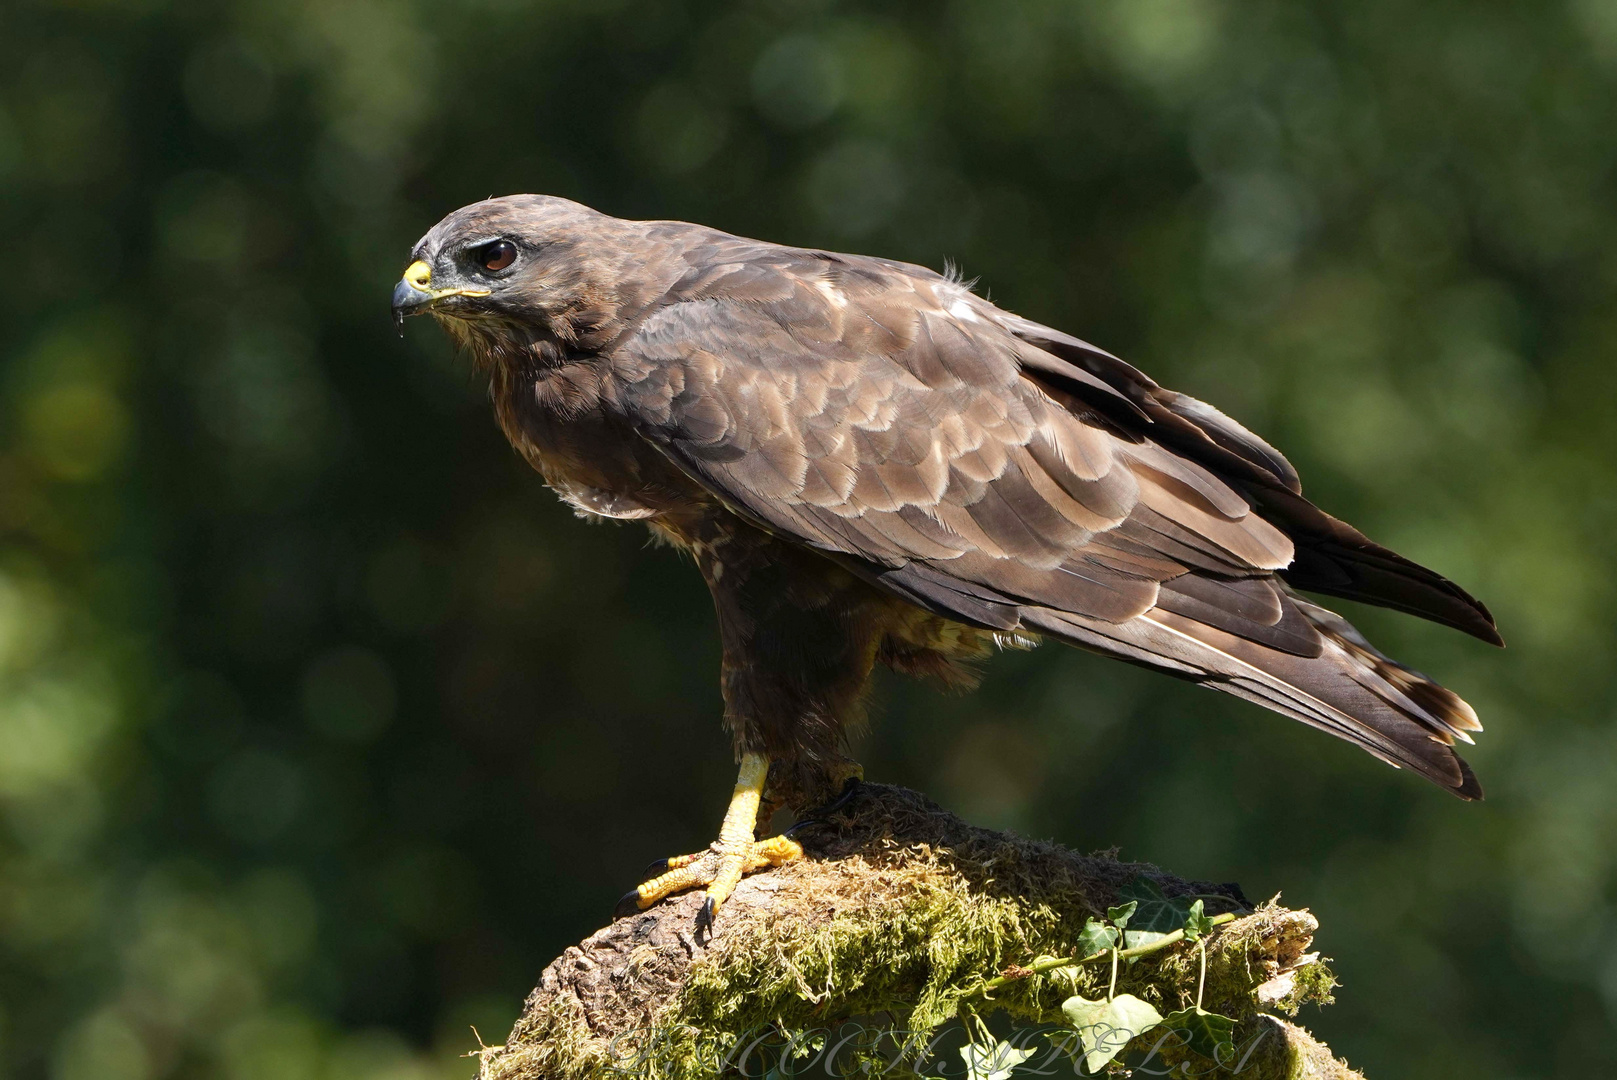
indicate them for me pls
(904, 913)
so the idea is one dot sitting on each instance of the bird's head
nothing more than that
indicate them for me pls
(522, 268)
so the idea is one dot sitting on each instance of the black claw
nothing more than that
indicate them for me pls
(822, 815)
(849, 790)
(628, 904)
(806, 823)
(708, 912)
(653, 869)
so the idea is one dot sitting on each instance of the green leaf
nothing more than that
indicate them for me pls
(994, 1063)
(1197, 923)
(1155, 915)
(1095, 938)
(1105, 1027)
(1121, 914)
(1208, 1034)
(1135, 938)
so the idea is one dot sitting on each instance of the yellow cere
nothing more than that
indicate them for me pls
(419, 276)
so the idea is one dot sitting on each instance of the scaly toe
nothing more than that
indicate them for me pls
(690, 873)
(718, 871)
(658, 867)
(775, 851)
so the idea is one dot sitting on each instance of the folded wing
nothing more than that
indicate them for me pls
(1008, 476)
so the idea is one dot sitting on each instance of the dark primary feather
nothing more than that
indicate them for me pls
(1332, 556)
(1006, 475)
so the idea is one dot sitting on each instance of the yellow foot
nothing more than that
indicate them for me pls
(721, 866)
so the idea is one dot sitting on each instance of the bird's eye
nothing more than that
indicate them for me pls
(498, 255)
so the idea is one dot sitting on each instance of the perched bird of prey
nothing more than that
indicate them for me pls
(871, 464)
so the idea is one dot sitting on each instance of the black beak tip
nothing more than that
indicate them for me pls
(406, 298)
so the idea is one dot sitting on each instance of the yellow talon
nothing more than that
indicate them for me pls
(721, 867)
(677, 861)
(776, 850)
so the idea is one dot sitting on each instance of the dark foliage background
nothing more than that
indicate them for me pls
(323, 726)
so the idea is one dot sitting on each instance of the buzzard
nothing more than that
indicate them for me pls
(871, 464)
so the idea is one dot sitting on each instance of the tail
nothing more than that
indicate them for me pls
(1349, 688)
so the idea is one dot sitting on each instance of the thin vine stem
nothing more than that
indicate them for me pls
(1125, 954)
(1201, 976)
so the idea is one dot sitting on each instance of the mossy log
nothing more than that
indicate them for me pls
(892, 928)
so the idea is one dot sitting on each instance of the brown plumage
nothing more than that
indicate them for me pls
(872, 464)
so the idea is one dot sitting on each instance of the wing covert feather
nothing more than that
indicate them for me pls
(913, 435)
(1009, 476)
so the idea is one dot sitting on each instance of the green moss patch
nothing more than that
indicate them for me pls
(902, 913)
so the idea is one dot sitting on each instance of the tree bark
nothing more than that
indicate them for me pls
(875, 952)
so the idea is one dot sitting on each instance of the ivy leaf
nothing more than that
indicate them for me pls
(1208, 1034)
(1155, 915)
(1121, 914)
(994, 1063)
(1095, 938)
(1135, 938)
(1105, 1027)
(1197, 923)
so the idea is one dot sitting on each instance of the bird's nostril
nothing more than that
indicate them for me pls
(419, 274)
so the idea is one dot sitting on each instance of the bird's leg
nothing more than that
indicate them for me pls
(734, 854)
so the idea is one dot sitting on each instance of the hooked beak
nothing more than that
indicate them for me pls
(414, 293)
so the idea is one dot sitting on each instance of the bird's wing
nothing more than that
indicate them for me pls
(1332, 557)
(886, 416)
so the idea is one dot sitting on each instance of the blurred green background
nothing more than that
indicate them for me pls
(323, 726)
